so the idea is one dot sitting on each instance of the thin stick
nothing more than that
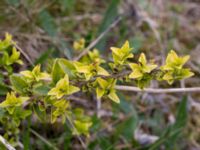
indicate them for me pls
(6, 144)
(98, 107)
(158, 91)
(23, 53)
(91, 45)
(79, 138)
(43, 139)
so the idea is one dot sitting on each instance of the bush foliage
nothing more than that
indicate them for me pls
(48, 92)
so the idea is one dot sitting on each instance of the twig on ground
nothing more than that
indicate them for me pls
(43, 139)
(158, 90)
(98, 103)
(23, 53)
(6, 144)
(91, 45)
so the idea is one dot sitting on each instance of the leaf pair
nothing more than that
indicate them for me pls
(63, 88)
(61, 107)
(90, 70)
(81, 122)
(173, 69)
(107, 88)
(93, 57)
(141, 71)
(6, 42)
(14, 57)
(12, 102)
(35, 74)
(79, 44)
(120, 55)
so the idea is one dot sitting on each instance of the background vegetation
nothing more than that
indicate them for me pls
(47, 29)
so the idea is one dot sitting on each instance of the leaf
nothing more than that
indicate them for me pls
(41, 90)
(63, 88)
(35, 74)
(67, 67)
(3, 89)
(135, 74)
(57, 73)
(82, 127)
(100, 93)
(73, 89)
(79, 44)
(65, 48)
(142, 59)
(43, 57)
(18, 83)
(172, 133)
(16, 3)
(47, 23)
(126, 128)
(120, 55)
(12, 102)
(103, 83)
(67, 4)
(113, 96)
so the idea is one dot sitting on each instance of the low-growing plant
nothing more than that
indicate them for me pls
(36, 92)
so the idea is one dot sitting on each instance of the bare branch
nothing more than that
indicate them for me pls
(43, 139)
(23, 53)
(6, 144)
(158, 90)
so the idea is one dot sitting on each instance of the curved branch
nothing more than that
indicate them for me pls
(158, 90)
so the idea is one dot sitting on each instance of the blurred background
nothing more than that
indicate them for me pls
(46, 29)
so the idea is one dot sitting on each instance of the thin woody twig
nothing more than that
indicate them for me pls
(158, 90)
(23, 53)
(43, 139)
(91, 45)
(79, 138)
(6, 144)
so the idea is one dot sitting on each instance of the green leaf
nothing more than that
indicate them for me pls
(3, 89)
(172, 133)
(63, 88)
(113, 96)
(57, 73)
(82, 127)
(43, 57)
(14, 2)
(18, 83)
(41, 90)
(100, 93)
(67, 4)
(126, 128)
(67, 67)
(47, 23)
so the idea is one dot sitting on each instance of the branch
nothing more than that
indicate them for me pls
(158, 91)
(91, 45)
(6, 144)
(43, 139)
(23, 53)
